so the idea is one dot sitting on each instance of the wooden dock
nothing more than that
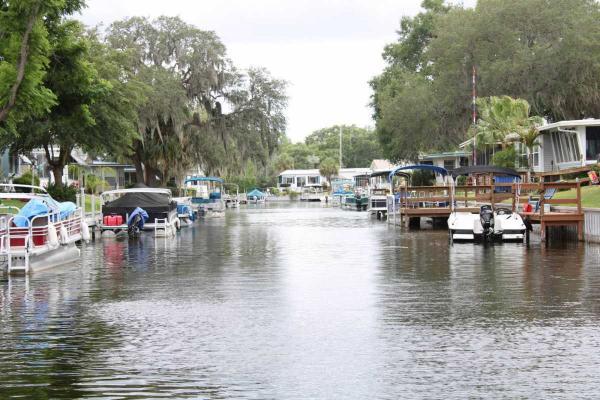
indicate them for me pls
(435, 202)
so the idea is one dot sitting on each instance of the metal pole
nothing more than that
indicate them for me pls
(340, 146)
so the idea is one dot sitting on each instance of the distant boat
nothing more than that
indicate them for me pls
(256, 196)
(312, 193)
(208, 194)
(42, 233)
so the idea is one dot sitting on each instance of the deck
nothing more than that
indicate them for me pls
(434, 202)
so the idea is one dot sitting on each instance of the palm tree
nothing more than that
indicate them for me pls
(328, 168)
(506, 120)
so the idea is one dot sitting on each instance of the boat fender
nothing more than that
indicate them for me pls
(85, 231)
(63, 234)
(177, 223)
(52, 235)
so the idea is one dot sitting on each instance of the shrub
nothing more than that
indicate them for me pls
(461, 180)
(25, 179)
(422, 177)
(93, 184)
(62, 192)
(505, 158)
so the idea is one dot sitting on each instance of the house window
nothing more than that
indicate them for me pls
(565, 146)
(314, 180)
(522, 155)
(300, 181)
(464, 162)
(449, 164)
(592, 142)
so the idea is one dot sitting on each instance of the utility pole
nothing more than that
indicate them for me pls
(340, 146)
(474, 113)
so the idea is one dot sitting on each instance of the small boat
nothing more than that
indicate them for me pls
(312, 193)
(379, 189)
(129, 211)
(256, 196)
(492, 222)
(230, 200)
(207, 198)
(42, 233)
(357, 200)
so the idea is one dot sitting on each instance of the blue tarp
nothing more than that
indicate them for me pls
(36, 207)
(256, 194)
(185, 209)
(142, 213)
(433, 168)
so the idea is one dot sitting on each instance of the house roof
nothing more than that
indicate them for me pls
(301, 172)
(571, 123)
(446, 154)
(381, 165)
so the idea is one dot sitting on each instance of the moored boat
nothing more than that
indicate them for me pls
(128, 211)
(41, 234)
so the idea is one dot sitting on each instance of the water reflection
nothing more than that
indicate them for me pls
(300, 301)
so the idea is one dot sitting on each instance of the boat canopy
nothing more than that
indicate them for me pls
(204, 179)
(387, 174)
(485, 169)
(256, 193)
(426, 167)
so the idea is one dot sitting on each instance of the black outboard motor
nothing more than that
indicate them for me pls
(486, 216)
(133, 227)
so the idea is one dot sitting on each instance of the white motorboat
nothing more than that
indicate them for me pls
(492, 222)
(41, 234)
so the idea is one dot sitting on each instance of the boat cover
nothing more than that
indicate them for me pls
(140, 199)
(142, 213)
(256, 193)
(35, 207)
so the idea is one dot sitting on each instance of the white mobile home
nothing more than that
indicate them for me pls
(568, 144)
(296, 179)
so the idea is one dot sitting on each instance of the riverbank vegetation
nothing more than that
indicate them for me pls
(546, 52)
(160, 94)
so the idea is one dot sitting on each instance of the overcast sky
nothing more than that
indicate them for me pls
(327, 50)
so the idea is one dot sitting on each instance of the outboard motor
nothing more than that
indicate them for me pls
(136, 221)
(486, 216)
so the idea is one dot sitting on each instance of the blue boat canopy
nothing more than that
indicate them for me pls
(205, 179)
(256, 193)
(439, 170)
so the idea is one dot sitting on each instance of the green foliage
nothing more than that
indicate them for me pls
(199, 109)
(25, 27)
(62, 192)
(505, 158)
(25, 179)
(328, 168)
(359, 147)
(422, 99)
(461, 180)
(422, 177)
(94, 184)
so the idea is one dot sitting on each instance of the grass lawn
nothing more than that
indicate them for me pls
(88, 203)
(590, 196)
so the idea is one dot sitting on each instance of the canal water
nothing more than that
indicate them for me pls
(299, 301)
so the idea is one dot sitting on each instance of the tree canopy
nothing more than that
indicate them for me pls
(199, 109)
(359, 148)
(546, 52)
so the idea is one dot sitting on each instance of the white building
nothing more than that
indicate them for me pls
(567, 144)
(296, 179)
